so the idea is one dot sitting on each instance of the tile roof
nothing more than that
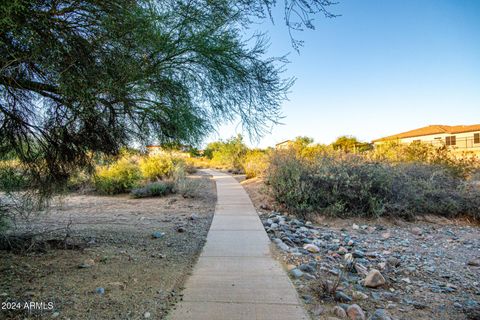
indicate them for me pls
(432, 129)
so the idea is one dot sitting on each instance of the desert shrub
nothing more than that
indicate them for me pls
(187, 187)
(119, 177)
(154, 189)
(79, 180)
(255, 163)
(190, 165)
(353, 186)
(157, 167)
(425, 153)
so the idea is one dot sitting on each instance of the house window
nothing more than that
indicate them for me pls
(450, 140)
(476, 138)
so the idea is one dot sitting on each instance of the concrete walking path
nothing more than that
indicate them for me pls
(236, 277)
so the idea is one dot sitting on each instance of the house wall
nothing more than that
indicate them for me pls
(464, 141)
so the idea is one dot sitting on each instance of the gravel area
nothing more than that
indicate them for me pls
(377, 269)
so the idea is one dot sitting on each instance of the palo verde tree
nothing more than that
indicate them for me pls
(83, 77)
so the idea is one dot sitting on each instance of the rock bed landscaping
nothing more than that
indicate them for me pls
(374, 271)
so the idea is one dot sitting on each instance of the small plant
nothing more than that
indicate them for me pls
(154, 189)
(326, 288)
(119, 177)
(187, 187)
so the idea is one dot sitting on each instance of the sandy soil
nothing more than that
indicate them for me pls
(122, 272)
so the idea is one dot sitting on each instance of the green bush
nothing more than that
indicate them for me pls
(350, 185)
(255, 163)
(154, 189)
(118, 177)
(227, 154)
(12, 177)
(157, 167)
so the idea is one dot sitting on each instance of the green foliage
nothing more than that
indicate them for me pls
(255, 163)
(119, 177)
(93, 76)
(154, 189)
(352, 186)
(351, 144)
(228, 154)
(157, 167)
(12, 176)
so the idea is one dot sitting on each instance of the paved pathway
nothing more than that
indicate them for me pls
(236, 276)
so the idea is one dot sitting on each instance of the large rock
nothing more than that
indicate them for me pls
(374, 279)
(354, 312)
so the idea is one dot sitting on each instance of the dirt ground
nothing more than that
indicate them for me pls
(431, 266)
(123, 271)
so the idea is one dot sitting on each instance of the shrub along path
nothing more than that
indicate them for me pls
(236, 276)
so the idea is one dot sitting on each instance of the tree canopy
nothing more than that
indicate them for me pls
(79, 77)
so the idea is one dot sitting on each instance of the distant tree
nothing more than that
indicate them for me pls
(350, 144)
(230, 153)
(301, 142)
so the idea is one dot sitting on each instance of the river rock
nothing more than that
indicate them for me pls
(354, 312)
(339, 312)
(374, 279)
(380, 314)
(311, 248)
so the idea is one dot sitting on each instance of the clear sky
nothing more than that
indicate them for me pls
(381, 68)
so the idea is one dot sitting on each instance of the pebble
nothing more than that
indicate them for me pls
(417, 231)
(358, 295)
(157, 234)
(354, 312)
(194, 217)
(306, 268)
(380, 314)
(342, 297)
(296, 273)
(374, 279)
(311, 248)
(88, 263)
(339, 312)
(474, 263)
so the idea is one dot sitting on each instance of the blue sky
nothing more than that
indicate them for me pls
(380, 68)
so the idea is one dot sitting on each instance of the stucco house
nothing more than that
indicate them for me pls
(461, 138)
(283, 145)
